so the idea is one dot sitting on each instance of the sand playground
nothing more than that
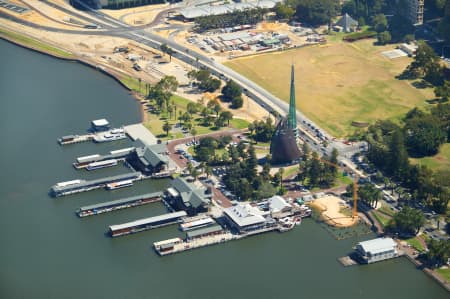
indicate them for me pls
(332, 208)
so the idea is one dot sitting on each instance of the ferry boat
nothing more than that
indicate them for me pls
(111, 135)
(101, 164)
(120, 184)
(196, 224)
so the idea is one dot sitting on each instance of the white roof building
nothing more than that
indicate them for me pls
(377, 249)
(278, 204)
(244, 215)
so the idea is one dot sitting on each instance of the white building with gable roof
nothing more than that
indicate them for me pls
(376, 250)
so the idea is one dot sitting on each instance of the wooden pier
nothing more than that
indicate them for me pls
(347, 261)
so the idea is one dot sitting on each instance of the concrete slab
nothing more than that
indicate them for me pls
(394, 54)
(138, 131)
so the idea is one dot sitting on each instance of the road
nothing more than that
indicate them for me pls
(141, 34)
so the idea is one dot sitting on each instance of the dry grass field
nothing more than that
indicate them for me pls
(337, 83)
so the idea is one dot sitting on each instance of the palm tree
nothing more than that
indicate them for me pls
(194, 133)
(166, 127)
(208, 170)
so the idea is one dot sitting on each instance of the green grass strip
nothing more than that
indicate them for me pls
(35, 44)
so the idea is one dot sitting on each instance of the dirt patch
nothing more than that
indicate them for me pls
(331, 211)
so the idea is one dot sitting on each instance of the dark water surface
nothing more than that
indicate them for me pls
(47, 252)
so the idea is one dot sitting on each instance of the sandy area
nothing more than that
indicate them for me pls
(136, 12)
(331, 211)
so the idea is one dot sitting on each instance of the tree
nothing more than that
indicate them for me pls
(226, 116)
(166, 127)
(194, 133)
(192, 108)
(217, 108)
(424, 135)
(379, 23)
(407, 222)
(237, 102)
(398, 163)
(443, 91)
(316, 12)
(384, 37)
(283, 11)
(314, 170)
(251, 128)
(230, 91)
(438, 252)
(208, 170)
(426, 64)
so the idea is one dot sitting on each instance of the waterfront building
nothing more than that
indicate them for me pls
(99, 125)
(278, 207)
(376, 250)
(283, 146)
(203, 232)
(245, 218)
(149, 159)
(182, 195)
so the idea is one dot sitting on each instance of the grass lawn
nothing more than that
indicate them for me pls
(445, 273)
(383, 219)
(343, 180)
(386, 210)
(337, 83)
(414, 242)
(155, 122)
(440, 161)
(132, 83)
(33, 43)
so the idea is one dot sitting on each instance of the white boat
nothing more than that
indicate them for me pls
(196, 224)
(111, 135)
(120, 184)
(101, 164)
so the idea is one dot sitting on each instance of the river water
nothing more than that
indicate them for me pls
(47, 252)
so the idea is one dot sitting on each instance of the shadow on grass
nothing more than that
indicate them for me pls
(421, 84)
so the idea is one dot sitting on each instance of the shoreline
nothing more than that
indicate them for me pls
(435, 276)
(75, 59)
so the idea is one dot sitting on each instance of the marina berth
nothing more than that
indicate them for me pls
(146, 224)
(76, 186)
(119, 155)
(101, 164)
(120, 184)
(119, 204)
(196, 224)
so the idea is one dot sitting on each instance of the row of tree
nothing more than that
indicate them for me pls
(366, 193)
(315, 171)
(240, 17)
(204, 81)
(389, 144)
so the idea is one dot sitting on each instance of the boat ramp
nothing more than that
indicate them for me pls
(119, 204)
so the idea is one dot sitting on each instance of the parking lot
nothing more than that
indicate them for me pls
(13, 7)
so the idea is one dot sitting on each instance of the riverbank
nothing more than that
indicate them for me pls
(34, 45)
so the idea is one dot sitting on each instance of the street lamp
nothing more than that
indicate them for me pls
(443, 48)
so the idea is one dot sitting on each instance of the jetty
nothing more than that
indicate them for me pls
(87, 161)
(77, 186)
(119, 204)
(146, 224)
